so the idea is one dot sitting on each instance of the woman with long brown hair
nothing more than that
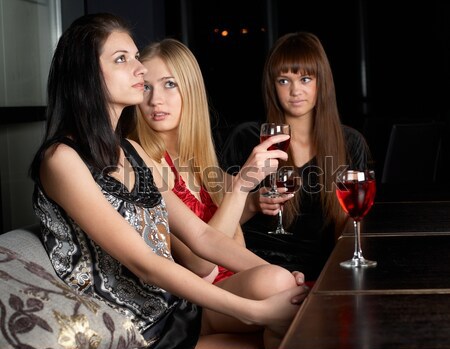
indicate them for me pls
(298, 90)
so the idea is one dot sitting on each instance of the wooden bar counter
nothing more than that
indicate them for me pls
(404, 302)
(405, 262)
(363, 321)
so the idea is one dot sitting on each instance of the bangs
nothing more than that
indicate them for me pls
(296, 59)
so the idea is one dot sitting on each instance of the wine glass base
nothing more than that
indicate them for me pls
(359, 262)
(279, 232)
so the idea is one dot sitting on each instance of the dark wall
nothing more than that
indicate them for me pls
(146, 17)
(409, 48)
(231, 65)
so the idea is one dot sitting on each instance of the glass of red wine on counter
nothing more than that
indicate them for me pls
(356, 193)
(269, 130)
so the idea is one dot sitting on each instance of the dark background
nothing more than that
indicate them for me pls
(390, 59)
(391, 64)
(406, 48)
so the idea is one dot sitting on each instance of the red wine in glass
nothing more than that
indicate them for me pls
(356, 193)
(284, 145)
(356, 198)
(269, 130)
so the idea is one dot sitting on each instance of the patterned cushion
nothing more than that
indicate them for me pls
(39, 311)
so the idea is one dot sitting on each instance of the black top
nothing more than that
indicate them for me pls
(312, 241)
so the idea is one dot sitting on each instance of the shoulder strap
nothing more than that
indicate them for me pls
(131, 154)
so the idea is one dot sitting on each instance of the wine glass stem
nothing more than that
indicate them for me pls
(273, 183)
(358, 252)
(280, 218)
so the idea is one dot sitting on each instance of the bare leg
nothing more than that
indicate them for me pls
(257, 283)
(260, 282)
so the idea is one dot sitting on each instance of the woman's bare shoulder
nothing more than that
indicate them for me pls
(59, 153)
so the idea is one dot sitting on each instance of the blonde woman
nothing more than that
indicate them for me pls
(174, 129)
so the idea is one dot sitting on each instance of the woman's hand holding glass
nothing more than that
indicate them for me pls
(261, 162)
(272, 205)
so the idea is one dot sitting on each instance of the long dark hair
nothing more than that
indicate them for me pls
(302, 52)
(77, 95)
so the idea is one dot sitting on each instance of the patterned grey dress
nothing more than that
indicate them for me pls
(165, 320)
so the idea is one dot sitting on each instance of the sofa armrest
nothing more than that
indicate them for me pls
(41, 311)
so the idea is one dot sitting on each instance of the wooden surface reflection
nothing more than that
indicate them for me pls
(371, 321)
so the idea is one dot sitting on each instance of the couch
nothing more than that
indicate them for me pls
(38, 310)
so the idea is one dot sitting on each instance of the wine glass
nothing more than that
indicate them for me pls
(286, 177)
(356, 193)
(269, 130)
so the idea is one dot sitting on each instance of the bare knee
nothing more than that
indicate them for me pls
(281, 278)
(272, 279)
(259, 282)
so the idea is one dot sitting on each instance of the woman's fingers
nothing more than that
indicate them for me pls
(271, 206)
(299, 277)
(262, 162)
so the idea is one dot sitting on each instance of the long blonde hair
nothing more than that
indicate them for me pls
(195, 141)
(303, 53)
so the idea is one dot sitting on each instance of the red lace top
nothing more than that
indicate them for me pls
(203, 208)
